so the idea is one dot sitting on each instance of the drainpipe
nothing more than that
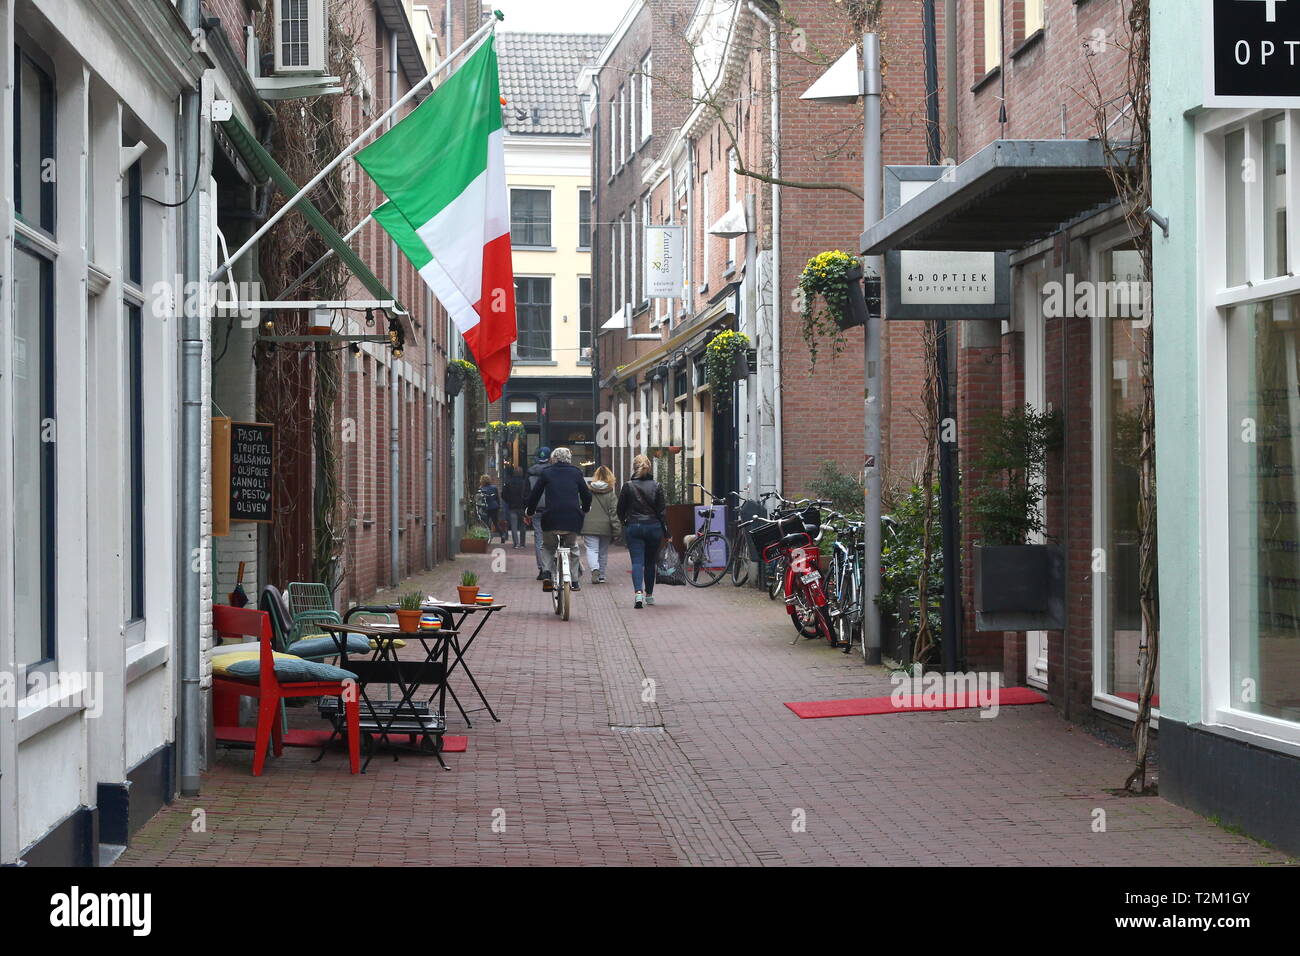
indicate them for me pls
(394, 394)
(775, 121)
(428, 434)
(950, 68)
(191, 731)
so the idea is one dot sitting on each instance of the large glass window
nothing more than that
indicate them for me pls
(1264, 503)
(1274, 182)
(34, 172)
(1122, 334)
(533, 307)
(584, 318)
(34, 457)
(530, 217)
(584, 218)
(992, 34)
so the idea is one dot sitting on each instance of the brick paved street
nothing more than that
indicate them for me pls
(712, 770)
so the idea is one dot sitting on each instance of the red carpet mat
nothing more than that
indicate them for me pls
(451, 743)
(869, 706)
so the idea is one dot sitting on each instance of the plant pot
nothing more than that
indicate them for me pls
(855, 312)
(674, 449)
(467, 595)
(408, 621)
(1019, 587)
(740, 365)
(473, 545)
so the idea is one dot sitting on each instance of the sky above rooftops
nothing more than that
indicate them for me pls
(562, 16)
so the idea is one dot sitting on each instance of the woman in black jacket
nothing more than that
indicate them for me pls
(514, 495)
(641, 509)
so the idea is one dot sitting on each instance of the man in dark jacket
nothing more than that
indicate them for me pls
(534, 476)
(567, 501)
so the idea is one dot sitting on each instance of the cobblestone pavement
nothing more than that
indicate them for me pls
(659, 736)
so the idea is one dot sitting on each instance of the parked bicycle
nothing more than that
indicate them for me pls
(795, 535)
(844, 582)
(711, 553)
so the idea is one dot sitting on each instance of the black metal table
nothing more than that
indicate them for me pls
(406, 715)
(459, 650)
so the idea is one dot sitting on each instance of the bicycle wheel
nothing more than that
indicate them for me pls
(739, 562)
(702, 566)
(845, 621)
(776, 577)
(807, 615)
(563, 591)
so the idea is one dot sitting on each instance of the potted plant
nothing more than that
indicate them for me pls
(902, 556)
(408, 612)
(1019, 585)
(475, 541)
(468, 587)
(679, 514)
(834, 278)
(726, 360)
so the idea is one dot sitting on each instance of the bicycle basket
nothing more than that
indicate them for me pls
(762, 534)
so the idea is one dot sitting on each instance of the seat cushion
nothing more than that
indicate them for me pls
(325, 646)
(288, 670)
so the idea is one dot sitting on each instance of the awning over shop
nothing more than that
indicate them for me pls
(1008, 195)
(686, 339)
(265, 167)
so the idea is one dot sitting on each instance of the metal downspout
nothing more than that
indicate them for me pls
(394, 393)
(191, 556)
(775, 122)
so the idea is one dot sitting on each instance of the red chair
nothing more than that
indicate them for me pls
(235, 623)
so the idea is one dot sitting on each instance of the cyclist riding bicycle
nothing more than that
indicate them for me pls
(567, 501)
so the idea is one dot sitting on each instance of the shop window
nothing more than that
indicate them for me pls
(34, 173)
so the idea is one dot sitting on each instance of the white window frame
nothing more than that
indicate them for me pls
(1099, 245)
(1035, 16)
(992, 35)
(613, 136)
(1214, 303)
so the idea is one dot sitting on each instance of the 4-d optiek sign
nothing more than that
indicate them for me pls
(1252, 53)
(925, 284)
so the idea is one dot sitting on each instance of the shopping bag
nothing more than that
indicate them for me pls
(668, 567)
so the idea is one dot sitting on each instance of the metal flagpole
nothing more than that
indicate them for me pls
(311, 269)
(351, 148)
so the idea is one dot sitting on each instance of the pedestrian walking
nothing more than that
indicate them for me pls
(514, 495)
(601, 525)
(641, 509)
(491, 498)
(534, 476)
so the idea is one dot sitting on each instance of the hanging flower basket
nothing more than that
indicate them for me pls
(834, 278)
(726, 360)
(504, 432)
(459, 372)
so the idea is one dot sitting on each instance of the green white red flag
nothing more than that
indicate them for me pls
(443, 171)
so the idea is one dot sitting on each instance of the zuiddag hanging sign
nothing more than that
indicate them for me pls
(1252, 53)
(663, 262)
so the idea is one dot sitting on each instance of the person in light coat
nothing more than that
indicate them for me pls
(601, 525)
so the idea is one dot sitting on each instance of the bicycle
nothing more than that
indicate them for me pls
(795, 535)
(844, 587)
(701, 553)
(562, 575)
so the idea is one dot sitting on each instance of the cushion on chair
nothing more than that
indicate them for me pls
(325, 646)
(375, 644)
(288, 670)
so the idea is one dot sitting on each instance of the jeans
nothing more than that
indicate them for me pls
(516, 518)
(554, 539)
(537, 542)
(493, 523)
(597, 551)
(643, 540)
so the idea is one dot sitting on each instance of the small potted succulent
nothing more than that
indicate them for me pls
(468, 587)
(408, 612)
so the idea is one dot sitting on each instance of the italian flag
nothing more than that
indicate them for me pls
(443, 171)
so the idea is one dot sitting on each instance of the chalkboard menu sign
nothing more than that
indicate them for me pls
(252, 448)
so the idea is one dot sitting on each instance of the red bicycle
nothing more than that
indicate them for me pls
(793, 537)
